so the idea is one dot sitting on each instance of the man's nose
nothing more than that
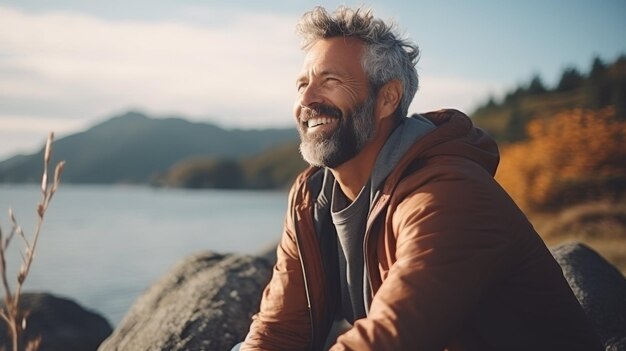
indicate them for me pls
(310, 95)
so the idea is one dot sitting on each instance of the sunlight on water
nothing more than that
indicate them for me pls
(104, 245)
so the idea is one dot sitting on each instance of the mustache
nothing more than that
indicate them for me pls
(319, 109)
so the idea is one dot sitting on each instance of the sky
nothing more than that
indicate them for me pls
(66, 65)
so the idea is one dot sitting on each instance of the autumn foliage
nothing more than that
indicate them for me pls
(576, 156)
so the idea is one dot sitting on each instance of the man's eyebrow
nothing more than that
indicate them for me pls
(301, 78)
(330, 72)
(325, 72)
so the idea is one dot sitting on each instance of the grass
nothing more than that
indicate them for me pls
(601, 225)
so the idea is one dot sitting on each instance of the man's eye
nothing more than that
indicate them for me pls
(301, 86)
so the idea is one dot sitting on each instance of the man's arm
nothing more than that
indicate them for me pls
(283, 322)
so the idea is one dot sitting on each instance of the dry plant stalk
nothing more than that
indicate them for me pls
(11, 314)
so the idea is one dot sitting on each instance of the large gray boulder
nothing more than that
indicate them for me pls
(61, 323)
(204, 303)
(599, 287)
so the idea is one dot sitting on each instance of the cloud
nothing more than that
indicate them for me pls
(39, 125)
(239, 70)
(26, 134)
(234, 68)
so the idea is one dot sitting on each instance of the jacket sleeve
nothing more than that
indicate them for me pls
(283, 322)
(449, 246)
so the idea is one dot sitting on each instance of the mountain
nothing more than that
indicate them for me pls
(131, 148)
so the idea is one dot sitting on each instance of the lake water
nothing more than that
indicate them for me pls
(103, 245)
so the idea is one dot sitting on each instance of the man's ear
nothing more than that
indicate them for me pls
(388, 98)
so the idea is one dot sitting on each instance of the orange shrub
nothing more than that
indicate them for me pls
(576, 155)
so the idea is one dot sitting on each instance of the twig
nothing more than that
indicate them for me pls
(15, 320)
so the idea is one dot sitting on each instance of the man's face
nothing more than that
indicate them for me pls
(334, 108)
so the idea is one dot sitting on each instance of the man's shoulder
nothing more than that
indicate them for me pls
(308, 181)
(447, 180)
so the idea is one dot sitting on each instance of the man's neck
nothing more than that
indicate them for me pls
(353, 174)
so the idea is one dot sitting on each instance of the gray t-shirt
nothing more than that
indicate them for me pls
(350, 218)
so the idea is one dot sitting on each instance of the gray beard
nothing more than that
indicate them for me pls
(345, 142)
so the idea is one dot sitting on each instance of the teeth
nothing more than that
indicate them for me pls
(313, 122)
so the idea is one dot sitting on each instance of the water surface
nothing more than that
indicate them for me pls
(103, 245)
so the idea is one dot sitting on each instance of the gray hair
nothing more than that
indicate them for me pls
(387, 55)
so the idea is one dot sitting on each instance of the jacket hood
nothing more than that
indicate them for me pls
(455, 135)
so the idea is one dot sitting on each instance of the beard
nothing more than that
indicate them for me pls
(353, 132)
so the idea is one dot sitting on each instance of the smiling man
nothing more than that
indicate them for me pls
(398, 227)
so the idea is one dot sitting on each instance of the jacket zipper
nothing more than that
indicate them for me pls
(367, 297)
(373, 214)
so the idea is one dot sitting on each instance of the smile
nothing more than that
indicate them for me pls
(318, 121)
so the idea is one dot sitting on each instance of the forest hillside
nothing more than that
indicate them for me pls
(563, 155)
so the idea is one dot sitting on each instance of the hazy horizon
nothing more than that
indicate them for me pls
(66, 65)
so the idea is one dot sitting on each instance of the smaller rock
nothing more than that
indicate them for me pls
(599, 287)
(61, 323)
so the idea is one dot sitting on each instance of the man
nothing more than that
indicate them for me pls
(399, 227)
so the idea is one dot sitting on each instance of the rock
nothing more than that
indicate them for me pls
(204, 303)
(599, 287)
(61, 323)
(270, 254)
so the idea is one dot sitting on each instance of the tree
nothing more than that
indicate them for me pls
(598, 68)
(514, 95)
(618, 99)
(207, 173)
(536, 86)
(491, 102)
(570, 80)
(225, 174)
(576, 156)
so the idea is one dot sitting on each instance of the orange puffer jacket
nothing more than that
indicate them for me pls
(453, 263)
